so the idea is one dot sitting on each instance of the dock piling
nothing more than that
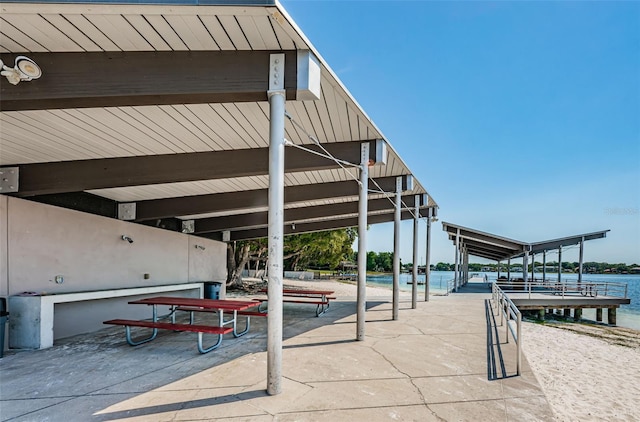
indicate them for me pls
(611, 316)
(577, 314)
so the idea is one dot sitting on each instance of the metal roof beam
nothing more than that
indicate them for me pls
(82, 175)
(217, 202)
(485, 250)
(138, 78)
(566, 241)
(293, 215)
(316, 226)
(484, 237)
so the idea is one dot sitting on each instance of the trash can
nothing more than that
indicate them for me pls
(212, 289)
(4, 315)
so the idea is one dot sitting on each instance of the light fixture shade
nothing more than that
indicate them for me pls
(28, 68)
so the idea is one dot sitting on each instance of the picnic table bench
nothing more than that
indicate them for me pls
(191, 305)
(320, 298)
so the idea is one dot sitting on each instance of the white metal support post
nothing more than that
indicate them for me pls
(414, 272)
(427, 268)
(581, 260)
(533, 268)
(362, 240)
(463, 268)
(466, 265)
(457, 268)
(396, 249)
(525, 272)
(559, 264)
(277, 98)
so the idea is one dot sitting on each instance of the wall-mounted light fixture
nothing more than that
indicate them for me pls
(127, 238)
(293, 226)
(24, 69)
(202, 248)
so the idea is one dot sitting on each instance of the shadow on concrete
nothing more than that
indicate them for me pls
(496, 368)
(127, 370)
(181, 405)
(319, 343)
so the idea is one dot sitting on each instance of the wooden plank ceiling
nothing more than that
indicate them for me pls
(165, 106)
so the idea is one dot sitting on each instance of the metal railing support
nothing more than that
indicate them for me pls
(509, 311)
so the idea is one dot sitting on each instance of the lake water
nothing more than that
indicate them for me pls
(627, 315)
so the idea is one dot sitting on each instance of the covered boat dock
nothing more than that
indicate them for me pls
(528, 293)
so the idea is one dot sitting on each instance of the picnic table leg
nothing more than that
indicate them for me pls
(136, 343)
(260, 306)
(235, 326)
(154, 332)
(320, 309)
(203, 350)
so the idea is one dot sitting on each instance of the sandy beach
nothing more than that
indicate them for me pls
(587, 372)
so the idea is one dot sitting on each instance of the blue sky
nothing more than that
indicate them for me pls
(520, 118)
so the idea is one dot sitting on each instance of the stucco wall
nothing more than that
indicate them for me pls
(39, 242)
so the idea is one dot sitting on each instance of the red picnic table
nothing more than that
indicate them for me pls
(316, 297)
(192, 305)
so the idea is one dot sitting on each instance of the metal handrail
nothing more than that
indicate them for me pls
(450, 286)
(506, 309)
(585, 287)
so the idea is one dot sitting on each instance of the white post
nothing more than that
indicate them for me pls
(362, 241)
(581, 260)
(276, 222)
(466, 265)
(396, 249)
(560, 264)
(427, 269)
(414, 273)
(456, 268)
(525, 272)
(533, 268)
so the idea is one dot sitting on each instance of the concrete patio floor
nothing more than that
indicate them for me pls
(441, 361)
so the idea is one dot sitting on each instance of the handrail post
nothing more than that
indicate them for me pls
(519, 344)
(507, 318)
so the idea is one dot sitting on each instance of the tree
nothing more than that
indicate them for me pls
(442, 266)
(239, 254)
(319, 249)
(384, 261)
(328, 248)
(371, 260)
